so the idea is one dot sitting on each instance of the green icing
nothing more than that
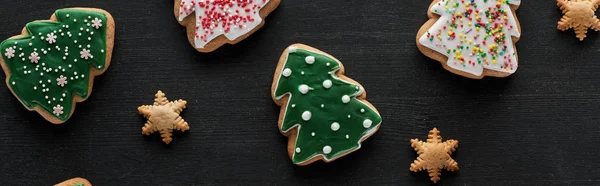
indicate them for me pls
(78, 184)
(37, 84)
(326, 107)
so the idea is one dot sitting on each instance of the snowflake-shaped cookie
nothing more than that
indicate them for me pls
(579, 15)
(434, 155)
(164, 117)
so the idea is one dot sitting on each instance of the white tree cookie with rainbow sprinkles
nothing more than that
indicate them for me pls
(324, 114)
(217, 22)
(51, 65)
(472, 38)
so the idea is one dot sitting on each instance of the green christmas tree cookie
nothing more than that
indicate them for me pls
(324, 114)
(52, 64)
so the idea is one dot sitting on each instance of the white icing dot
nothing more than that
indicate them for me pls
(345, 99)
(327, 84)
(322, 105)
(362, 110)
(328, 64)
(302, 72)
(327, 149)
(13, 83)
(298, 150)
(335, 126)
(306, 115)
(347, 136)
(312, 134)
(293, 105)
(292, 49)
(310, 60)
(367, 123)
(303, 89)
(349, 116)
(287, 72)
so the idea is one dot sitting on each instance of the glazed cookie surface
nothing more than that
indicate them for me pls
(75, 182)
(51, 66)
(473, 38)
(323, 113)
(211, 24)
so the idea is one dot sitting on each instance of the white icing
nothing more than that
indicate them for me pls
(287, 72)
(304, 89)
(443, 43)
(335, 126)
(327, 149)
(217, 29)
(367, 123)
(292, 49)
(310, 60)
(327, 84)
(345, 99)
(298, 150)
(306, 115)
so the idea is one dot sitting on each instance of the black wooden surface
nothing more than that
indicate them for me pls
(538, 127)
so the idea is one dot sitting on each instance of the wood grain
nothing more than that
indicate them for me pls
(537, 127)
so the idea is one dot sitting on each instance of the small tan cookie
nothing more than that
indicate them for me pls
(579, 15)
(75, 182)
(163, 117)
(434, 155)
(217, 22)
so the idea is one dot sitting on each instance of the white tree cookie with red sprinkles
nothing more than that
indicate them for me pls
(472, 38)
(216, 22)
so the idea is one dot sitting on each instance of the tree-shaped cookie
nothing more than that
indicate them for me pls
(323, 113)
(474, 38)
(579, 15)
(216, 22)
(52, 64)
(434, 155)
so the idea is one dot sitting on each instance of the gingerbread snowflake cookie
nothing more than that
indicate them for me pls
(51, 65)
(75, 182)
(164, 117)
(324, 114)
(580, 15)
(216, 22)
(474, 38)
(434, 155)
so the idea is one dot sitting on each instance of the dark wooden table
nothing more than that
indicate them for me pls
(537, 127)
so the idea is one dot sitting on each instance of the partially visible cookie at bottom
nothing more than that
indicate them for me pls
(324, 114)
(75, 182)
